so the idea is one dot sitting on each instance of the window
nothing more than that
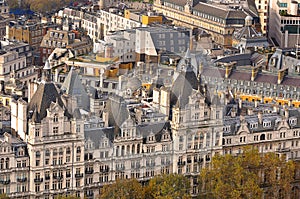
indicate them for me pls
(37, 132)
(55, 130)
(68, 151)
(78, 150)
(78, 158)
(46, 185)
(37, 154)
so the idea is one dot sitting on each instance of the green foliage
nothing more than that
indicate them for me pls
(244, 176)
(123, 189)
(168, 187)
(40, 5)
(3, 196)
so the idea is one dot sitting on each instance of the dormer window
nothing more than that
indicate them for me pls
(293, 121)
(226, 128)
(21, 152)
(266, 124)
(253, 125)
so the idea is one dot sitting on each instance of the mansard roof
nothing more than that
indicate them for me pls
(97, 135)
(45, 94)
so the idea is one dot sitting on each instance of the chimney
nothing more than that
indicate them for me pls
(7, 137)
(275, 109)
(256, 103)
(290, 103)
(281, 74)
(250, 111)
(260, 117)
(105, 118)
(240, 103)
(233, 112)
(254, 72)
(228, 68)
(286, 113)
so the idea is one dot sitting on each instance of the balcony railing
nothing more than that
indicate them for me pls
(89, 171)
(7, 181)
(38, 180)
(22, 179)
(78, 175)
(47, 177)
(58, 177)
(68, 175)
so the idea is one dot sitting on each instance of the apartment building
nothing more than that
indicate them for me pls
(72, 40)
(101, 23)
(262, 7)
(214, 17)
(75, 149)
(284, 24)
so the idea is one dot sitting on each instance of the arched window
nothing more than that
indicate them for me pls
(133, 149)
(47, 153)
(37, 154)
(68, 151)
(54, 152)
(7, 163)
(123, 151)
(55, 118)
(262, 137)
(78, 149)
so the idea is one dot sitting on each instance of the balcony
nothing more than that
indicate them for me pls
(104, 170)
(47, 177)
(38, 180)
(89, 171)
(22, 179)
(5, 182)
(68, 175)
(282, 150)
(78, 175)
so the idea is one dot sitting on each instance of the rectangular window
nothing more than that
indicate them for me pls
(55, 130)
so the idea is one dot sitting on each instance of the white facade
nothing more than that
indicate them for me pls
(284, 23)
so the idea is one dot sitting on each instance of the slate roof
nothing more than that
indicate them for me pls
(177, 2)
(157, 129)
(213, 72)
(291, 81)
(73, 87)
(266, 78)
(45, 94)
(216, 11)
(117, 109)
(183, 86)
(240, 75)
(97, 135)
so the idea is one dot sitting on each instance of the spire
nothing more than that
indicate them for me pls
(47, 71)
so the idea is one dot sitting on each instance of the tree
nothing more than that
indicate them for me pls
(123, 189)
(246, 175)
(278, 175)
(3, 196)
(13, 3)
(170, 186)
